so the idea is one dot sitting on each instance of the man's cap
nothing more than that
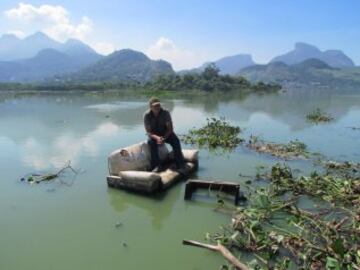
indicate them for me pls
(154, 101)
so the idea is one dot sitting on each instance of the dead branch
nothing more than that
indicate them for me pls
(221, 249)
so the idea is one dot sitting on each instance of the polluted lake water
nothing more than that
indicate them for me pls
(90, 226)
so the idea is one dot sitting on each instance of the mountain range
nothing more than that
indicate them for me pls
(303, 51)
(123, 65)
(38, 58)
(232, 65)
(227, 65)
(310, 72)
(13, 48)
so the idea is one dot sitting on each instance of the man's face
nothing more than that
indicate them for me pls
(155, 108)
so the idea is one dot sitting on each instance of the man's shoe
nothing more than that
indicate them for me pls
(158, 169)
(173, 167)
(182, 168)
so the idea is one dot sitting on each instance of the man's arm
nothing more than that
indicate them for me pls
(148, 129)
(169, 126)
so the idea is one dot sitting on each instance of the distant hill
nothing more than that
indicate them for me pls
(46, 63)
(7, 44)
(80, 52)
(227, 65)
(13, 48)
(122, 65)
(303, 51)
(38, 57)
(312, 72)
(71, 61)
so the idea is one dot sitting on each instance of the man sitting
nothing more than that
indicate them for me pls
(159, 128)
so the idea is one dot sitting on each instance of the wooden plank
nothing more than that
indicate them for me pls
(223, 186)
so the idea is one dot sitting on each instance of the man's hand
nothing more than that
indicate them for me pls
(161, 140)
(158, 139)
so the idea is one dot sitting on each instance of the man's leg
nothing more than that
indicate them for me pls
(154, 153)
(174, 141)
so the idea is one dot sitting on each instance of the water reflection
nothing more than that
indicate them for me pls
(158, 207)
(61, 110)
(66, 146)
(49, 129)
(291, 108)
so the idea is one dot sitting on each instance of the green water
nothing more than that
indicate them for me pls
(57, 226)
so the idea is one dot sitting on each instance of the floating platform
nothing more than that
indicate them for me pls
(128, 169)
(226, 187)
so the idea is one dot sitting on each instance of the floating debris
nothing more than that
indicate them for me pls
(217, 133)
(355, 128)
(292, 150)
(334, 188)
(36, 178)
(318, 116)
(344, 170)
(342, 166)
(277, 234)
(118, 224)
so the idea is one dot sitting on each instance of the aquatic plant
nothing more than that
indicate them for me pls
(318, 116)
(310, 239)
(291, 150)
(335, 188)
(217, 133)
(276, 233)
(342, 166)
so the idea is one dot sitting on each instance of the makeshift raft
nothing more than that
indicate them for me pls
(128, 168)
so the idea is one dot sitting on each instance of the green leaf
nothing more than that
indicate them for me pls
(332, 264)
(338, 247)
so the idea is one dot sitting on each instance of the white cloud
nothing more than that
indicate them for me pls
(29, 12)
(66, 147)
(165, 44)
(67, 30)
(104, 48)
(165, 49)
(18, 33)
(52, 19)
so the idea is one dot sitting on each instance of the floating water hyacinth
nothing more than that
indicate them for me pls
(278, 234)
(291, 150)
(217, 133)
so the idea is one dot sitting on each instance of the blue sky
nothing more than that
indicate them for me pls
(189, 32)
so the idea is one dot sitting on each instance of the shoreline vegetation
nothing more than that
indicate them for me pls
(275, 228)
(209, 81)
